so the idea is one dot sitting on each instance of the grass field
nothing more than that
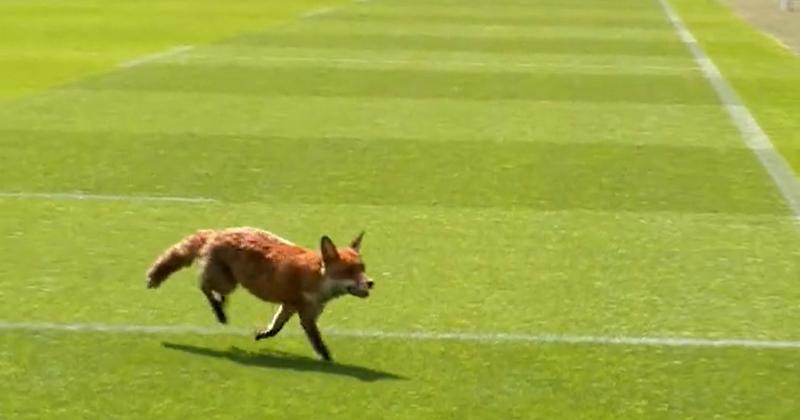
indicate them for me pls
(560, 172)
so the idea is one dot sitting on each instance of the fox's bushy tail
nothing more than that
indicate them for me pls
(176, 257)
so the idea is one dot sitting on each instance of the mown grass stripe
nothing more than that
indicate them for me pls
(518, 45)
(558, 12)
(298, 80)
(366, 27)
(544, 18)
(445, 64)
(459, 174)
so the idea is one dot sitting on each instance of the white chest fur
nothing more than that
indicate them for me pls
(333, 288)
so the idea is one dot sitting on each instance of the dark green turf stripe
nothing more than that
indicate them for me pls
(494, 45)
(403, 83)
(392, 172)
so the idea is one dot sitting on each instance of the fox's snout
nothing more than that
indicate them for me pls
(361, 288)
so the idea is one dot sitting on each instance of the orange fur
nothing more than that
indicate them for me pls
(272, 269)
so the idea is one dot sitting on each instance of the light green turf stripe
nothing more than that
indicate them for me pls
(366, 26)
(506, 45)
(621, 61)
(604, 19)
(533, 10)
(362, 60)
(371, 118)
(299, 80)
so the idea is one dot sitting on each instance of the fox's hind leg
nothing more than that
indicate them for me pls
(278, 321)
(216, 282)
(216, 303)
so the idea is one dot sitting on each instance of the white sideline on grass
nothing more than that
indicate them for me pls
(753, 135)
(486, 338)
(184, 48)
(103, 197)
(317, 12)
(155, 56)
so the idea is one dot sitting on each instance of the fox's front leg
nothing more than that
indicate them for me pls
(308, 319)
(278, 321)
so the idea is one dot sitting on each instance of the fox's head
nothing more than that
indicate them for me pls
(344, 271)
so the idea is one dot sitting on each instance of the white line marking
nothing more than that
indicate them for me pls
(573, 339)
(102, 197)
(317, 12)
(753, 135)
(156, 56)
(120, 329)
(781, 43)
(488, 338)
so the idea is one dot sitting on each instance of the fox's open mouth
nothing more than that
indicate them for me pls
(357, 291)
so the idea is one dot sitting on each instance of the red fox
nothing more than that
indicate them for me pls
(273, 269)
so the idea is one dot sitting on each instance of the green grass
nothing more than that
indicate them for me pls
(45, 43)
(180, 376)
(543, 168)
(765, 74)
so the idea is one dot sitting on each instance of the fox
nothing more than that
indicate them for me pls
(301, 280)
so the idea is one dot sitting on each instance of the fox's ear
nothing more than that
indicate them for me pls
(356, 244)
(328, 249)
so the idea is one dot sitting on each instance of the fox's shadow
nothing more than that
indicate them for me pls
(280, 360)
